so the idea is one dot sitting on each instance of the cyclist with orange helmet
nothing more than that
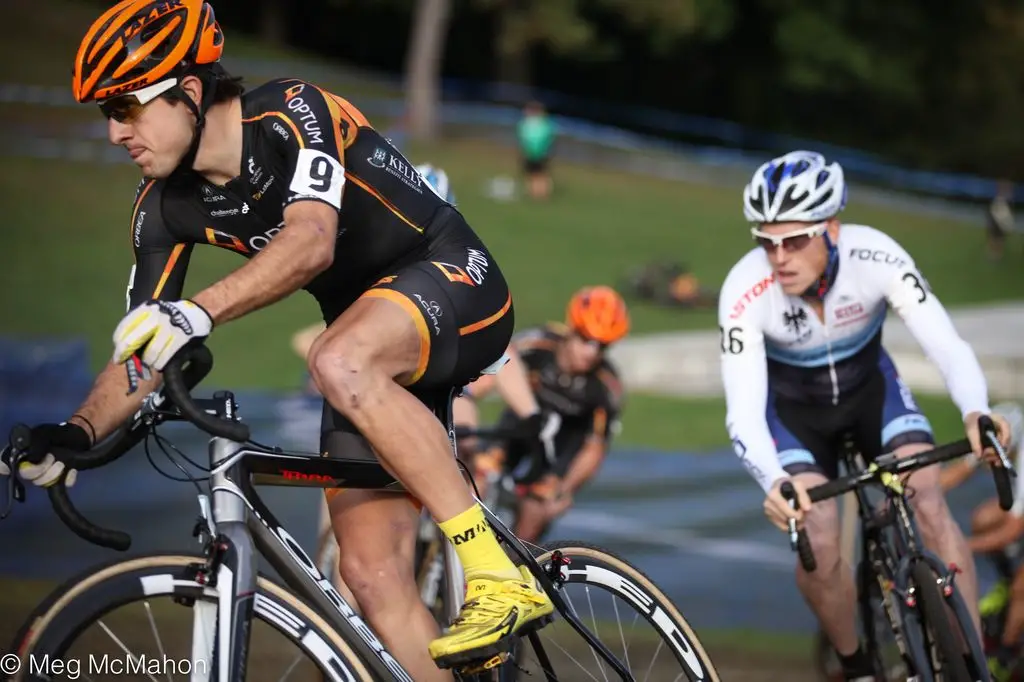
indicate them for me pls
(297, 180)
(579, 393)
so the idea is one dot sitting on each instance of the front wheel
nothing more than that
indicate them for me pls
(615, 601)
(946, 643)
(147, 618)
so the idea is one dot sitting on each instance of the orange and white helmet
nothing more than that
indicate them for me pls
(598, 313)
(143, 47)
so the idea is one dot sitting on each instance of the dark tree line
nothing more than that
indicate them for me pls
(927, 84)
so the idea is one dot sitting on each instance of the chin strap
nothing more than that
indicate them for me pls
(828, 277)
(187, 161)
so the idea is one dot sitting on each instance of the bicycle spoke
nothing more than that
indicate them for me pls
(622, 635)
(573, 658)
(653, 659)
(119, 643)
(156, 634)
(290, 668)
(593, 619)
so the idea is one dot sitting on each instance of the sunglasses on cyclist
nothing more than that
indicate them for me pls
(790, 241)
(126, 108)
(591, 343)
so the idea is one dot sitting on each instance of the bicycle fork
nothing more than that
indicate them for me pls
(221, 629)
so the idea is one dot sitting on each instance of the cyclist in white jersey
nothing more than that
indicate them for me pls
(800, 319)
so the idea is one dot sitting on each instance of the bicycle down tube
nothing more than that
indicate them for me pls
(232, 492)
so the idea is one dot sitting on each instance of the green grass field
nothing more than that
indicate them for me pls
(67, 252)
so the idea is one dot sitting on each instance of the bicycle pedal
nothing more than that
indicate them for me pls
(477, 667)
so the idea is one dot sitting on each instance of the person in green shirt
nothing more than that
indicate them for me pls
(536, 134)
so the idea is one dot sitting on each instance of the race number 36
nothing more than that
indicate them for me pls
(318, 175)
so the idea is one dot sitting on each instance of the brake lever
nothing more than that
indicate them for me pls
(1004, 461)
(15, 488)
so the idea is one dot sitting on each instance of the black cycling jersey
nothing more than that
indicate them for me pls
(588, 404)
(299, 143)
(397, 238)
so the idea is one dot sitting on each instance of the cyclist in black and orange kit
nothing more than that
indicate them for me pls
(296, 180)
(575, 383)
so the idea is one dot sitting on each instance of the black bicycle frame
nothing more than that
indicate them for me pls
(235, 470)
(892, 563)
(878, 559)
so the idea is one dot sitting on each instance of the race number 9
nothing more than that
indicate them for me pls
(318, 175)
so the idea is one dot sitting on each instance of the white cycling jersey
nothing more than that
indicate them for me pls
(772, 340)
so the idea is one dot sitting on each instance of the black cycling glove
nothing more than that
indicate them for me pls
(40, 465)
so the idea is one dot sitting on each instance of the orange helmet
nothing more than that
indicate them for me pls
(138, 43)
(598, 313)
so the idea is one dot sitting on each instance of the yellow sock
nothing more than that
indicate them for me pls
(478, 549)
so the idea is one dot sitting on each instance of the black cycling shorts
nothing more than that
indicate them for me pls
(880, 415)
(463, 312)
(535, 166)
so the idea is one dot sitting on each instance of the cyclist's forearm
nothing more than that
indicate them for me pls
(108, 404)
(291, 260)
(514, 387)
(585, 465)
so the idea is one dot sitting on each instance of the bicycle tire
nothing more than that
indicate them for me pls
(590, 563)
(936, 619)
(67, 611)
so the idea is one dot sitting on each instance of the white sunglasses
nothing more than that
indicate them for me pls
(125, 107)
(790, 241)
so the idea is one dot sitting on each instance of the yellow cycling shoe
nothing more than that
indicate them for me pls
(494, 611)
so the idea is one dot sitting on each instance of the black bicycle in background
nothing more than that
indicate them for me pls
(226, 621)
(914, 620)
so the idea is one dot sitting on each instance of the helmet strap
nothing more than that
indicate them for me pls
(199, 111)
(819, 289)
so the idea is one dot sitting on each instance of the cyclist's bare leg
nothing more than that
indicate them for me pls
(940, 531)
(829, 591)
(535, 509)
(327, 535)
(358, 363)
(1014, 627)
(987, 516)
(531, 519)
(378, 533)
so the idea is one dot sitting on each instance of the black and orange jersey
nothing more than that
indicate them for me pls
(299, 143)
(589, 404)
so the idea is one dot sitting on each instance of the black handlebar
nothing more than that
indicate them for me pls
(181, 374)
(179, 380)
(891, 464)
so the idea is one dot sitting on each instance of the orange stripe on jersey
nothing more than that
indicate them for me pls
(376, 195)
(347, 119)
(413, 311)
(339, 136)
(168, 269)
(135, 212)
(283, 118)
(487, 322)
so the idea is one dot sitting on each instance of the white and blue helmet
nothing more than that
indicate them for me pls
(438, 180)
(799, 186)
